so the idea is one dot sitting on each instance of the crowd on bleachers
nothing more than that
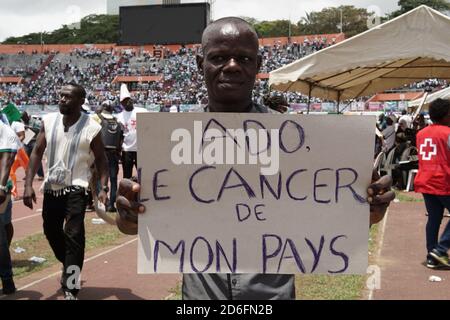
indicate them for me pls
(96, 69)
(19, 65)
(181, 83)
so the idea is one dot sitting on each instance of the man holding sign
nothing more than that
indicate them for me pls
(230, 65)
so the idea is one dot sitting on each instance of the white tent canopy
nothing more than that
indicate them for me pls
(441, 94)
(412, 47)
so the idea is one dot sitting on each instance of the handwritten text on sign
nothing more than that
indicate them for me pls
(254, 193)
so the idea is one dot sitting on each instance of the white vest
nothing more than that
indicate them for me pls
(84, 158)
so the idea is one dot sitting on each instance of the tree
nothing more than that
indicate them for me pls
(408, 5)
(354, 21)
(93, 29)
(277, 28)
(250, 20)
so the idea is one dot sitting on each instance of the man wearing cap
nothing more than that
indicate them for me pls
(128, 120)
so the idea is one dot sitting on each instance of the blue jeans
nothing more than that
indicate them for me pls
(5, 256)
(435, 207)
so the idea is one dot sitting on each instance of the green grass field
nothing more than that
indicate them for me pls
(97, 236)
(336, 287)
(324, 287)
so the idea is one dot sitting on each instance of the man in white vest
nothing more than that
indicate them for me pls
(73, 142)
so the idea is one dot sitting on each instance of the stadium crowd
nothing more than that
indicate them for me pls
(180, 82)
(96, 69)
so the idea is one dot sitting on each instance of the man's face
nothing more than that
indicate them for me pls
(69, 100)
(230, 64)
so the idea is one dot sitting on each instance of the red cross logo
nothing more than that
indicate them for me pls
(428, 150)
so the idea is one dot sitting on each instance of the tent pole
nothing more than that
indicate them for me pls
(346, 106)
(338, 101)
(309, 97)
(422, 103)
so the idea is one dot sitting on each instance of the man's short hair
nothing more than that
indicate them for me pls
(439, 109)
(81, 92)
(232, 20)
(235, 20)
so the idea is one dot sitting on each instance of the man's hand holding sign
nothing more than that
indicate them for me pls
(289, 200)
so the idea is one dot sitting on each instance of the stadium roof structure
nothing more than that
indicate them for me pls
(410, 48)
(442, 94)
(400, 96)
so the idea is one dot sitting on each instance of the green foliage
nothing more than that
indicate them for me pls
(354, 21)
(105, 28)
(322, 22)
(92, 29)
(277, 28)
(408, 5)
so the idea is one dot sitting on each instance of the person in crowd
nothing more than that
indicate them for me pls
(277, 103)
(22, 159)
(73, 142)
(127, 118)
(433, 181)
(389, 134)
(229, 64)
(9, 145)
(34, 125)
(112, 136)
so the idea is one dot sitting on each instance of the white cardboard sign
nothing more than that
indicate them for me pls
(284, 194)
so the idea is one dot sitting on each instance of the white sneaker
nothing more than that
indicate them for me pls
(69, 296)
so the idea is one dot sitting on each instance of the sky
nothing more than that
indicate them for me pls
(20, 17)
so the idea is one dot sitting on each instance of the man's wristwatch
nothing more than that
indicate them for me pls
(3, 188)
(105, 189)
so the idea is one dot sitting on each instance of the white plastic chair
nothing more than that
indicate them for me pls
(412, 173)
(379, 160)
(388, 164)
(410, 154)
